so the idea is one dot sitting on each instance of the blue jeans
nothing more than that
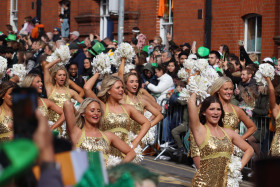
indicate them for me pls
(65, 30)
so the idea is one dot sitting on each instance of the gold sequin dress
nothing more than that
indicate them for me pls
(5, 131)
(59, 99)
(230, 121)
(135, 127)
(118, 124)
(215, 156)
(92, 144)
(43, 108)
(275, 145)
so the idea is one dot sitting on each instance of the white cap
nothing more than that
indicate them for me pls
(268, 59)
(76, 33)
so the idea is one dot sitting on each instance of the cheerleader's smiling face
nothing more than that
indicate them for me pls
(132, 84)
(213, 113)
(226, 91)
(117, 91)
(37, 84)
(92, 114)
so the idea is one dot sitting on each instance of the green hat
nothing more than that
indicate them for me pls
(116, 41)
(11, 38)
(15, 157)
(146, 48)
(97, 48)
(203, 51)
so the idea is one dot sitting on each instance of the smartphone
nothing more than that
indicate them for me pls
(24, 104)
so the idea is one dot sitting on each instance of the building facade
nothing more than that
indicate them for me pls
(208, 22)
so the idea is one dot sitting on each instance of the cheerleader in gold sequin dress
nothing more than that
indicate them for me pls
(6, 119)
(56, 84)
(117, 116)
(44, 105)
(84, 130)
(140, 102)
(275, 145)
(223, 89)
(214, 141)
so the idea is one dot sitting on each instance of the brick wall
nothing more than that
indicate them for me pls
(228, 23)
(4, 14)
(227, 19)
(186, 25)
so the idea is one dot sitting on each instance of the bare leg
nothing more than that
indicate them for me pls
(253, 142)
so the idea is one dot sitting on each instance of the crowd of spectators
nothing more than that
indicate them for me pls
(157, 66)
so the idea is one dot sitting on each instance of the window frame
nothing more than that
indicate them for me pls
(14, 14)
(256, 16)
(163, 25)
(104, 14)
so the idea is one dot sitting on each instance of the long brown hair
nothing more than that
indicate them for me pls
(205, 105)
(4, 87)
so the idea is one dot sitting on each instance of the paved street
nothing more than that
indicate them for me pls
(173, 174)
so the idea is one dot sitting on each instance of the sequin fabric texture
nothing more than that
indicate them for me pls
(92, 144)
(135, 127)
(43, 108)
(118, 124)
(194, 149)
(5, 131)
(275, 145)
(59, 99)
(215, 156)
(230, 121)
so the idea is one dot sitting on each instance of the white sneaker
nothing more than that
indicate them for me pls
(251, 174)
(164, 158)
(164, 145)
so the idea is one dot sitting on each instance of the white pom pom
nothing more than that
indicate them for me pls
(210, 74)
(182, 74)
(265, 70)
(63, 53)
(19, 70)
(128, 67)
(101, 64)
(234, 172)
(199, 85)
(201, 65)
(3, 66)
(189, 63)
(52, 57)
(124, 50)
(113, 161)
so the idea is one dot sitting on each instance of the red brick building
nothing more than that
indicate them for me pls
(256, 22)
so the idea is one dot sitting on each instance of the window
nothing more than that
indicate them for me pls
(166, 22)
(14, 14)
(104, 14)
(253, 34)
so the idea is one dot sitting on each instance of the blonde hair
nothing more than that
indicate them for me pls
(80, 121)
(218, 84)
(54, 71)
(106, 85)
(28, 79)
